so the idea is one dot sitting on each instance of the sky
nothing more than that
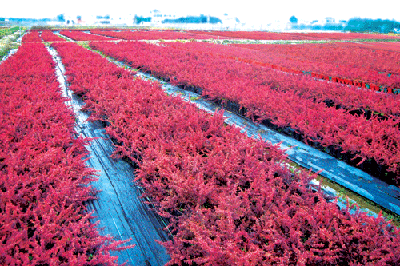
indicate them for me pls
(251, 11)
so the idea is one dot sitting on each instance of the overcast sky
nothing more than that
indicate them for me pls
(246, 10)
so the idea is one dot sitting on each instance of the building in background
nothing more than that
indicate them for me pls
(327, 23)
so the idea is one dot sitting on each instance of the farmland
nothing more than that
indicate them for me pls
(226, 198)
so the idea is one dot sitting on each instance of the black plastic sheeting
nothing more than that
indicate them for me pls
(119, 208)
(372, 188)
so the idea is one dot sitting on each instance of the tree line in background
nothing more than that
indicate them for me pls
(372, 25)
(194, 19)
(354, 25)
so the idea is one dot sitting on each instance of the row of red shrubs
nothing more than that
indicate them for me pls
(32, 36)
(82, 36)
(43, 176)
(266, 35)
(229, 199)
(350, 73)
(347, 97)
(269, 95)
(359, 64)
(49, 36)
(152, 35)
(354, 62)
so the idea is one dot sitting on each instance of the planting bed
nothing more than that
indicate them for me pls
(49, 36)
(82, 36)
(349, 63)
(361, 183)
(228, 199)
(33, 36)
(262, 35)
(275, 98)
(199, 174)
(151, 35)
(387, 196)
(118, 207)
(344, 97)
(43, 177)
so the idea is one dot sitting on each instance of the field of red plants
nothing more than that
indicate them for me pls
(355, 123)
(77, 35)
(152, 35)
(262, 35)
(49, 36)
(229, 199)
(34, 36)
(140, 34)
(350, 63)
(43, 177)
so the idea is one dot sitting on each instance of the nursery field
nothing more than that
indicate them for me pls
(224, 198)
(361, 125)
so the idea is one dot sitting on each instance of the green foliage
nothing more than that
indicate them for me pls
(372, 25)
(8, 43)
(293, 19)
(8, 31)
(193, 98)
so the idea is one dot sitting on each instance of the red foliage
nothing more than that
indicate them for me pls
(356, 62)
(43, 176)
(347, 97)
(81, 36)
(49, 36)
(32, 36)
(263, 35)
(228, 197)
(286, 100)
(152, 35)
(386, 46)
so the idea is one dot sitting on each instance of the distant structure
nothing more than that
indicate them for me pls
(204, 21)
(96, 20)
(157, 17)
(327, 23)
(103, 20)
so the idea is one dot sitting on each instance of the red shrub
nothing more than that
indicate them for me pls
(81, 36)
(49, 36)
(228, 197)
(286, 100)
(32, 36)
(43, 177)
(352, 61)
(151, 34)
(263, 35)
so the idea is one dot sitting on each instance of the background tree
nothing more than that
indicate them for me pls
(61, 18)
(293, 19)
